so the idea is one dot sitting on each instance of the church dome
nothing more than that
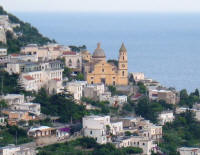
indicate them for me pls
(99, 52)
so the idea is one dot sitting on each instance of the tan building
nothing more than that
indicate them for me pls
(98, 70)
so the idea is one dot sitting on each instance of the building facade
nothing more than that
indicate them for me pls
(98, 70)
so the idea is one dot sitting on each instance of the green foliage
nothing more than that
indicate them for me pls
(142, 88)
(189, 100)
(88, 147)
(67, 72)
(128, 133)
(103, 105)
(87, 142)
(29, 34)
(10, 83)
(112, 89)
(77, 49)
(133, 150)
(150, 110)
(79, 77)
(184, 131)
(59, 105)
(10, 134)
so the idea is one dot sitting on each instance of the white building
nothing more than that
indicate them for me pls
(165, 116)
(99, 127)
(76, 88)
(17, 150)
(93, 91)
(33, 108)
(167, 95)
(3, 52)
(55, 86)
(36, 75)
(73, 60)
(12, 99)
(138, 76)
(22, 57)
(105, 96)
(146, 144)
(117, 100)
(189, 151)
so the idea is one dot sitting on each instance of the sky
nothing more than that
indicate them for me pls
(101, 5)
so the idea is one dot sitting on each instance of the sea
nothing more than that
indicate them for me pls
(165, 47)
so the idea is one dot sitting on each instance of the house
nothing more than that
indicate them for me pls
(12, 99)
(100, 127)
(22, 57)
(118, 100)
(17, 150)
(3, 52)
(46, 52)
(168, 96)
(165, 116)
(189, 151)
(138, 76)
(33, 76)
(93, 91)
(146, 144)
(76, 88)
(33, 108)
(54, 86)
(62, 133)
(41, 131)
(14, 116)
(73, 60)
(105, 96)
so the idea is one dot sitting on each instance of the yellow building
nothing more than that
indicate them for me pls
(98, 70)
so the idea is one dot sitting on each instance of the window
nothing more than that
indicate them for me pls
(113, 83)
(78, 63)
(92, 82)
(91, 132)
(70, 62)
(122, 73)
(102, 70)
(123, 57)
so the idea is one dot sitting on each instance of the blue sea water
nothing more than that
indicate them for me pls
(166, 47)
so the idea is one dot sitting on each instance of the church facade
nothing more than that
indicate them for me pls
(98, 70)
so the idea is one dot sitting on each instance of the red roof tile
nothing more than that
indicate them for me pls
(69, 53)
(28, 77)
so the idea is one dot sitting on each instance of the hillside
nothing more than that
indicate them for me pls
(27, 34)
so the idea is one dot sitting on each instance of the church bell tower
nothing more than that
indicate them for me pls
(123, 66)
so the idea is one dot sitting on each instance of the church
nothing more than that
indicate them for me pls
(98, 70)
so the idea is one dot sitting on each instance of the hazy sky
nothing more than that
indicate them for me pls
(102, 5)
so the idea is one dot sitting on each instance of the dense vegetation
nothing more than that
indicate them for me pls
(86, 146)
(9, 83)
(184, 131)
(189, 99)
(60, 105)
(13, 135)
(150, 109)
(28, 34)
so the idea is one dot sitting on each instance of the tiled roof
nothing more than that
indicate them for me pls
(69, 53)
(28, 77)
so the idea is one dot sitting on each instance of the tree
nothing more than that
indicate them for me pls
(142, 88)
